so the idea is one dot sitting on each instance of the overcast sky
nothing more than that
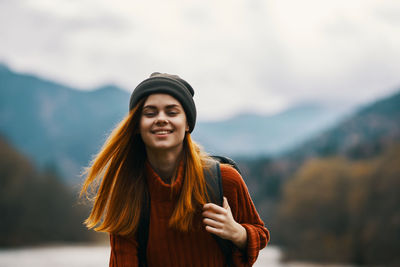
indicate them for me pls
(239, 55)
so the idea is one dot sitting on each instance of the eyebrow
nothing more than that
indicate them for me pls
(168, 106)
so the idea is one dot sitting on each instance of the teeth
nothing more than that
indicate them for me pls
(162, 132)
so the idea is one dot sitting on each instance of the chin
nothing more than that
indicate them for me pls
(165, 146)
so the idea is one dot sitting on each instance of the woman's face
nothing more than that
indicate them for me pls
(163, 123)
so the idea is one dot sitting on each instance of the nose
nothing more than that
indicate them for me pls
(161, 120)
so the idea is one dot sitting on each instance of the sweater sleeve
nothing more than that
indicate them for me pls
(245, 213)
(123, 252)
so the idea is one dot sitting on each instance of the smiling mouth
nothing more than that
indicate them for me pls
(161, 132)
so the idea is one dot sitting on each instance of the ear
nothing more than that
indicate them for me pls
(187, 127)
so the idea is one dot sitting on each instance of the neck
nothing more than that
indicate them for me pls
(164, 162)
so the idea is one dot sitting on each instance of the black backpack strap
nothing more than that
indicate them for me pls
(212, 175)
(226, 160)
(143, 231)
(213, 179)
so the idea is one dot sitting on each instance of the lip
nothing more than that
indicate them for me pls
(161, 132)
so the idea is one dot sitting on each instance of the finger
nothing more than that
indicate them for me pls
(210, 206)
(212, 223)
(214, 216)
(213, 207)
(213, 230)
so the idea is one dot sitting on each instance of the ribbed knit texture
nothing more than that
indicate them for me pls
(171, 248)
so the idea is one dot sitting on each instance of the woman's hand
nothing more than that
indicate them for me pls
(219, 221)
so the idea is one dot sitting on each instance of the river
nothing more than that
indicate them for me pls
(97, 256)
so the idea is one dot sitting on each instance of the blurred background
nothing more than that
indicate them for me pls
(304, 95)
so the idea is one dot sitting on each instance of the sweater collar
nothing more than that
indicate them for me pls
(161, 191)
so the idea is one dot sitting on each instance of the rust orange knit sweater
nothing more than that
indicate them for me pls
(168, 247)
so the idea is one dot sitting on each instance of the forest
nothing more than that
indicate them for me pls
(36, 207)
(339, 210)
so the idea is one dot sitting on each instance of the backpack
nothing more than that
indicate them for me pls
(215, 191)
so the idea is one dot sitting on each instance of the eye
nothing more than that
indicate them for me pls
(149, 113)
(172, 112)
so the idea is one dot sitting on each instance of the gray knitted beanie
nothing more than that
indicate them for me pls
(167, 84)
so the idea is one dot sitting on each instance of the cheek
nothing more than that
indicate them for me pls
(144, 125)
(183, 125)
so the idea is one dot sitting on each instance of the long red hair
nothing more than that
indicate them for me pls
(117, 179)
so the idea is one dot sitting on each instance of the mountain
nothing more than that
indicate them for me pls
(61, 126)
(255, 135)
(55, 124)
(365, 134)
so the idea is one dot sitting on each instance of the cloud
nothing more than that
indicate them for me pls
(239, 55)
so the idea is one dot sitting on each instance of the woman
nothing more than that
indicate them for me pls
(150, 163)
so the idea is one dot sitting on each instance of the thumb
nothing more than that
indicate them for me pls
(225, 204)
